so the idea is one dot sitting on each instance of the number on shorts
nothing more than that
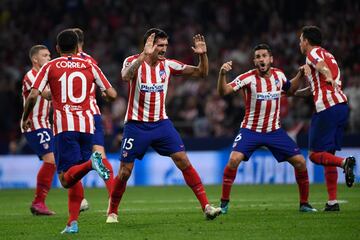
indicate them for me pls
(128, 143)
(44, 137)
(238, 138)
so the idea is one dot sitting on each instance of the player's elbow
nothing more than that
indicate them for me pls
(34, 93)
(125, 76)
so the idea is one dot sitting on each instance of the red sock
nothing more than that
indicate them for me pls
(109, 183)
(331, 176)
(75, 196)
(44, 180)
(116, 195)
(77, 172)
(193, 180)
(302, 180)
(326, 159)
(228, 180)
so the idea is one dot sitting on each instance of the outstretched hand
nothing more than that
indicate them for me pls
(150, 47)
(199, 44)
(226, 67)
(332, 83)
(305, 70)
(26, 124)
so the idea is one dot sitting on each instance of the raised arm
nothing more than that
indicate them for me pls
(295, 82)
(128, 72)
(222, 87)
(304, 92)
(202, 69)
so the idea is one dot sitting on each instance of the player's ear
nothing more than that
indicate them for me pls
(34, 59)
(271, 59)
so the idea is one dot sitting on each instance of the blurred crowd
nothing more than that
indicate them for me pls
(114, 30)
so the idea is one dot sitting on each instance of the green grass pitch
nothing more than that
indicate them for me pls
(151, 213)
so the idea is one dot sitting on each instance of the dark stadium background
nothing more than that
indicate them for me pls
(114, 30)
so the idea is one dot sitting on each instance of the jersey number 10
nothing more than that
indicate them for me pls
(67, 87)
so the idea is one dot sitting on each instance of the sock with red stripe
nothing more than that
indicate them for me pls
(193, 180)
(77, 172)
(109, 183)
(118, 190)
(228, 180)
(302, 180)
(331, 176)
(44, 180)
(326, 159)
(75, 196)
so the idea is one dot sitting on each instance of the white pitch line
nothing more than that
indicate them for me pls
(167, 209)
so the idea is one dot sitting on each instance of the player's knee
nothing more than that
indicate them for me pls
(49, 158)
(298, 162)
(181, 160)
(235, 159)
(300, 165)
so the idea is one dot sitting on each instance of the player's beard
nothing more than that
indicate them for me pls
(263, 68)
(161, 56)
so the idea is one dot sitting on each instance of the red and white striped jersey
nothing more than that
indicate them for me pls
(70, 79)
(40, 115)
(93, 104)
(324, 94)
(262, 99)
(147, 91)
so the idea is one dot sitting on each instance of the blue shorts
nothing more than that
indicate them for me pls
(278, 142)
(41, 141)
(72, 148)
(327, 127)
(138, 136)
(98, 138)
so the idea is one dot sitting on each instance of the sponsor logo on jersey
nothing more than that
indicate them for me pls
(151, 87)
(68, 64)
(268, 96)
(70, 108)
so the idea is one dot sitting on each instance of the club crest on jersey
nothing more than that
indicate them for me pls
(46, 146)
(124, 154)
(277, 83)
(162, 75)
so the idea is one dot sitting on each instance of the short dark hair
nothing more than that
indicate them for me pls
(262, 46)
(312, 34)
(35, 49)
(67, 40)
(80, 34)
(158, 34)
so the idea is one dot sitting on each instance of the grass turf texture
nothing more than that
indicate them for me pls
(256, 212)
